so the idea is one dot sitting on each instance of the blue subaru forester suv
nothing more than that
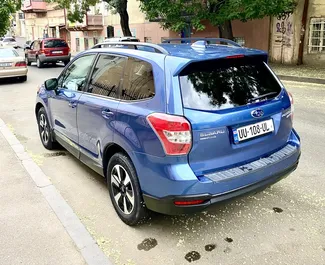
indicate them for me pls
(174, 128)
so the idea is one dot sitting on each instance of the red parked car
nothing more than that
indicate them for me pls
(50, 50)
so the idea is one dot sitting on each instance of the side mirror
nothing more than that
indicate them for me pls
(51, 84)
(26, 47)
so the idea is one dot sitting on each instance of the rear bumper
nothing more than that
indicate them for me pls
(13, 72)
(54, 59)
(166, 205)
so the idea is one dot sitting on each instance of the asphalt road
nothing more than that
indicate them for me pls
(283, 225)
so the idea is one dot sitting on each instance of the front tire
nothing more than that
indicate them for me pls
(45, 129)
(124, 189)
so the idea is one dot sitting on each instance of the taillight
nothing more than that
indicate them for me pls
(235, 56)
(184, 203)
(21, 64)
(174, 133)
(292, 106)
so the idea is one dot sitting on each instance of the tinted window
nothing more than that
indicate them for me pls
(138, 82)
(6, 53)
(55, 44)
(107, 75)
(75, 77)
(227, 83)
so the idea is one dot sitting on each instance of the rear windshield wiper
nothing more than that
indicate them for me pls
(262, 96)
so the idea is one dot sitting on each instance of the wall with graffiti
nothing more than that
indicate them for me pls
(282, 39)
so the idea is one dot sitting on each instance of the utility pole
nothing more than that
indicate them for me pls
(302, 33)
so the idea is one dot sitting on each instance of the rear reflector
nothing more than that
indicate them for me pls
(21, 64)
(194, 202)
(235, 56)
(174, 132)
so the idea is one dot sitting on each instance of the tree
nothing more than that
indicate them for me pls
(7, 7)
(77, 9)
(177, 14)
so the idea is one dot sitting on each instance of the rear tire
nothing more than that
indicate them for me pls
(39, 63)
(44, 129)
(66, 63)
(125, 191)
(23, 78)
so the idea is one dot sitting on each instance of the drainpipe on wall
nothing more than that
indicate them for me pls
(302, 33)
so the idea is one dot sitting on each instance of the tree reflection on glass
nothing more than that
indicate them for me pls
(226, 85)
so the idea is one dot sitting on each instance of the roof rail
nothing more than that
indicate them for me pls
(207, 40)
(135, 45)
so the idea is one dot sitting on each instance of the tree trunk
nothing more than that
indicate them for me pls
(225, 30)
(124, 21)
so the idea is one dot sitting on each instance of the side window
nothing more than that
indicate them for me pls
(36, 45)
(107, 75)
(138, 82)
(75, 77)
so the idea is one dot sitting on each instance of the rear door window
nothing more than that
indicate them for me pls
(227, 83)
(55, 44)
(107, 76)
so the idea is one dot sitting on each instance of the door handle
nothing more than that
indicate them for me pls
(107, 114)
(72, 104)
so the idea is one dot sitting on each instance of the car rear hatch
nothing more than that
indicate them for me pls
(55, 47)
(238, 111)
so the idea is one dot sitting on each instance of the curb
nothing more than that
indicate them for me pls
(79, 234)
(302, 79)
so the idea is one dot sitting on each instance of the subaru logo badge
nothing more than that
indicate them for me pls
(258, 113)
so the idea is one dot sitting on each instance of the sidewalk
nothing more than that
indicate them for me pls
(301, 73)
(37, 227)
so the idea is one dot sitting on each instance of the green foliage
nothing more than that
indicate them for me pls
(175, 14)
(7, 7)
(77, 9)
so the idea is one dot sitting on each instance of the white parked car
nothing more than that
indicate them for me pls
(124, 39)
(9, 42)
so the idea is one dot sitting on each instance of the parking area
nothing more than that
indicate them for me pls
(282, 225)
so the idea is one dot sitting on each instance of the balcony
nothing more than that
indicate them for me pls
(35, 6)
(95, 22)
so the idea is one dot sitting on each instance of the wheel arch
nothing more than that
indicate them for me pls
(111, 149)
(38, 106)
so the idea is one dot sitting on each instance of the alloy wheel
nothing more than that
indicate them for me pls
(122, 189)
(44, 129)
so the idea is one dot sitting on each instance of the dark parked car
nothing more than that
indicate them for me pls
(174, 128)
(51, 50)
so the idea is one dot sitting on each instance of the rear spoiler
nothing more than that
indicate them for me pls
(263, 56)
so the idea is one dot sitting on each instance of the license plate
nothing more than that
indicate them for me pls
(57, 52)
(253, 130)
(5, 64)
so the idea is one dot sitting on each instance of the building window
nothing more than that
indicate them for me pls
(148, 39)
(317, 35)
(21, 15)
(77, 45)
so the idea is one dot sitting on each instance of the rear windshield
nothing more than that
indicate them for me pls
(227, 83)
(9, 40)
(7, 53)
(55, 44)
